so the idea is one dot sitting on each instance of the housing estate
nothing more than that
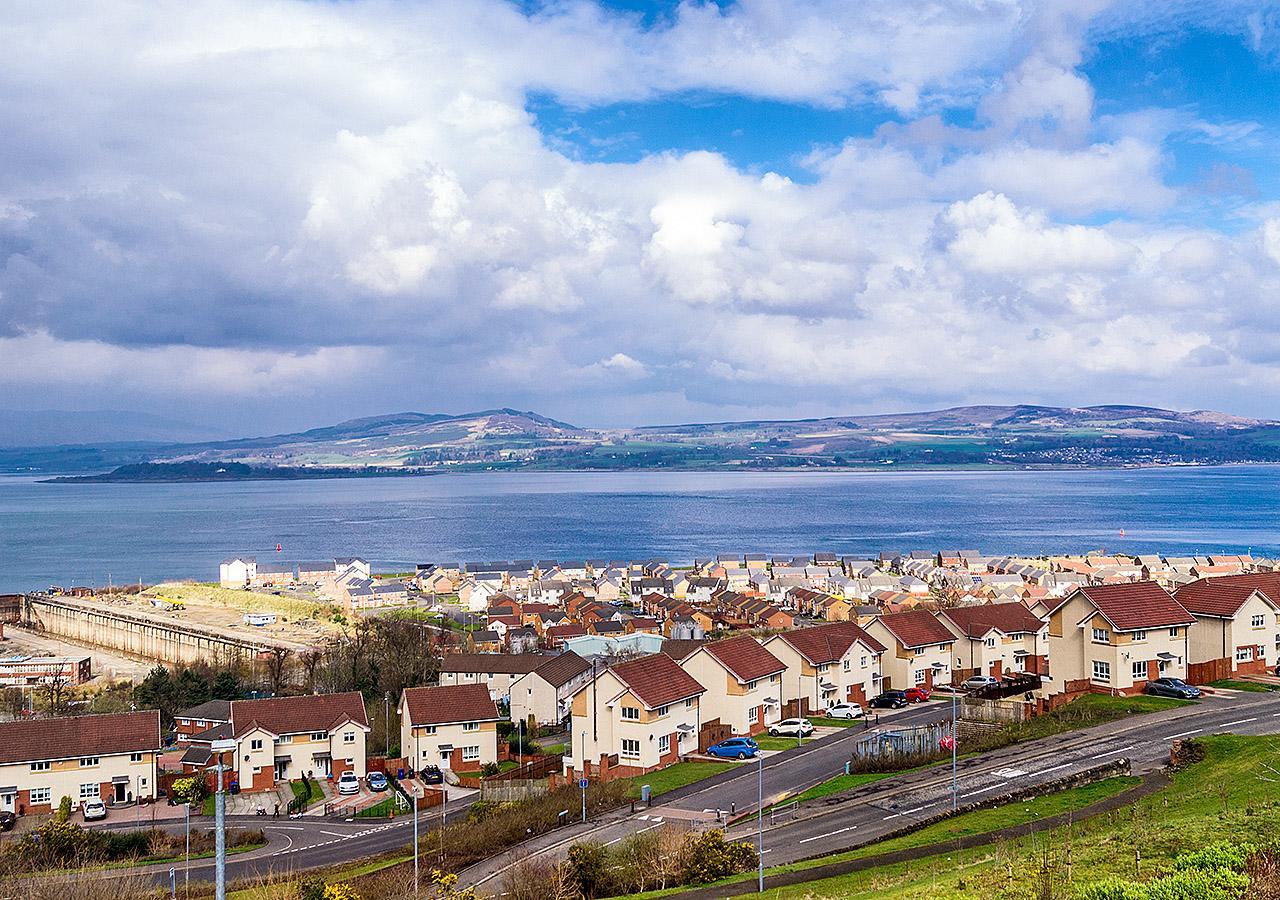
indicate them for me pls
(919, 648)
(1237, 624)
(450, 726)
(743, 683)
(828, 664)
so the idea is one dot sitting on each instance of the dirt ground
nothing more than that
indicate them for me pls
(105, 664)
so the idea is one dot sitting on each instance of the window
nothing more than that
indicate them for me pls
(471, 753)
(848, 664)
(751, 685)
(864, 662)
(1140, 634)
(921, 675)
(663, 710)
(631, 713)
(40, 795)
(630, 748)
(1101, 636)
(1244, 654)
(88, 761)
(283, 739)
(40, 766)
(348, 737)
(89, 791)
(1173, 632)
(688, 703)
(664, 743)
(822, 667)
(1101, 670)
(1140, 670)
(135, 757)
(775, 678)
(470, 726)
(255, 744)
(990, 642)
(319, 735)
(1258, 621)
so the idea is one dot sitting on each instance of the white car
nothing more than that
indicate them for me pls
(979, 681)
(94, 810)
(792, 728)
(348, 783)
(845, 711)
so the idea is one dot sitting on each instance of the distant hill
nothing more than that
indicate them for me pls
(54, 427)
(507, 439)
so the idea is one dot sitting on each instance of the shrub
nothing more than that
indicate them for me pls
(340, 891)
(490, 768)
(311, 888)
(189, 790)
(1222, 855)
(709, 857)
(64, 809)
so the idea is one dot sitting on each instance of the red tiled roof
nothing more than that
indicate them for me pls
(560, 670)
(297, 715)
(745, 659)
(1008, 618)
(917, 628)
(448, 703)
(73, 736)
(1224, 596)
(657, 680)
(1141, 604)
(828, 643)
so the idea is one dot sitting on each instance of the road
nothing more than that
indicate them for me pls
(884, 807)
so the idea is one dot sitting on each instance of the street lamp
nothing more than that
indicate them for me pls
(760, 819)
(220, 825)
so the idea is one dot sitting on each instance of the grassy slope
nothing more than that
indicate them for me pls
(677, 776)
(1233, 685)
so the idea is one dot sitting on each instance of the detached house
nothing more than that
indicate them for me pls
(828, 664)
(919, 648)
(109, 757)
(634, 717)
(1237, 628)
(544, 693)
(1114, 638)
(450, 726)
(743, 683)
(280, 738)
(995, 638)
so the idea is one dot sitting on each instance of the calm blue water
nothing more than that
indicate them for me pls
(86, 533)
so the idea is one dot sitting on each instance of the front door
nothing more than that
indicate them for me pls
(118, 792)
(8, 802)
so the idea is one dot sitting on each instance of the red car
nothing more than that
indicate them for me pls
(917, 694)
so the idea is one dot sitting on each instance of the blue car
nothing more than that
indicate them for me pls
(377, 781)
(734, 748)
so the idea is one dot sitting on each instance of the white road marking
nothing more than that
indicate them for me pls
(1186, 733)
(284, 827)
(1113, 752)
(819, 837)
(985, 789)
(1238, 722)
(894, 816)
(337, 834)
(1053, 769)
(1008, 773)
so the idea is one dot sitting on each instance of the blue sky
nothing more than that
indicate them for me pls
(271, 215)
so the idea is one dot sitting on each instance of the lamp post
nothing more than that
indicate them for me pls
(415, 840)
(955, 798)
(760, 819)
(386, 721)
(186, 868)
(220, 825)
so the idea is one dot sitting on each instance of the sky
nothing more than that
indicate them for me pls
(263, 215)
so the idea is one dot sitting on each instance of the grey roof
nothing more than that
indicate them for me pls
(210, 711)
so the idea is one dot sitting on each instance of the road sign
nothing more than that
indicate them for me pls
(582, 783)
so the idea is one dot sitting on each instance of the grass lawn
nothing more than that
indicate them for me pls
(1222, 797)
(381, 809)
(677, 776)
(834, 723)
(1087, 711)
(1232, 685)
(769, 742)
(839, 784)
(300, 791)
(555, 749)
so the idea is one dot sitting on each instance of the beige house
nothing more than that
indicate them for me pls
(743, 683)
(1237, 628)
(634, 717)
(109, 757)
(828, 664)
(997, 638)
(496, 671)
(545, 693)
(280, 738)
(1114, 638)
(919, 649)
(450, 726)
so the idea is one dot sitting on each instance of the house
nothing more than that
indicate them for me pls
(196, 719)
(1115, 638)
(21, 670)
(995, 638)
(238, 572)
(451, 726)
(316, 572)
(544, 693)
(743, 683)
(496, 671)
(484, 641)
(1237, 628)
(107, 757)
(828, 664)
(919, 648)
(271, 575)
(634, 717)
(280, 738)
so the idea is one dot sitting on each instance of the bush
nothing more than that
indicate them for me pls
(708, 857)
(489, 769)
(189, 790)
(64, 809)
(311, 888)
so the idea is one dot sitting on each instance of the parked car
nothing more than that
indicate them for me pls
(792, 728)
(734, 748)
(431, 775)
(917, 694)
(1173, 687)
(348, 783)
(94, 810)
(377, 781)
(7, 820)
(889, 700)
(845, 711)
(979, 681)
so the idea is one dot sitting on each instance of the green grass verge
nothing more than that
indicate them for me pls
(302, 793)
(769, 742)
(837, 785)
(1231, 684)
(381, 809)
(834, 723)
(677, 776)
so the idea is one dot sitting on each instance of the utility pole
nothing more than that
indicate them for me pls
(415, 841)
(220, 825)
(186, 869)
(760, 820)
(955, 788)
(386, 721)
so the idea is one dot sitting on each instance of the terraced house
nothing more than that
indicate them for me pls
(634, 717)
(280, 738)
(450, 726)
(743, 684)
(919, 649)
(1114, 638)
(109, 757)
(828, 664)
(1237, 630)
